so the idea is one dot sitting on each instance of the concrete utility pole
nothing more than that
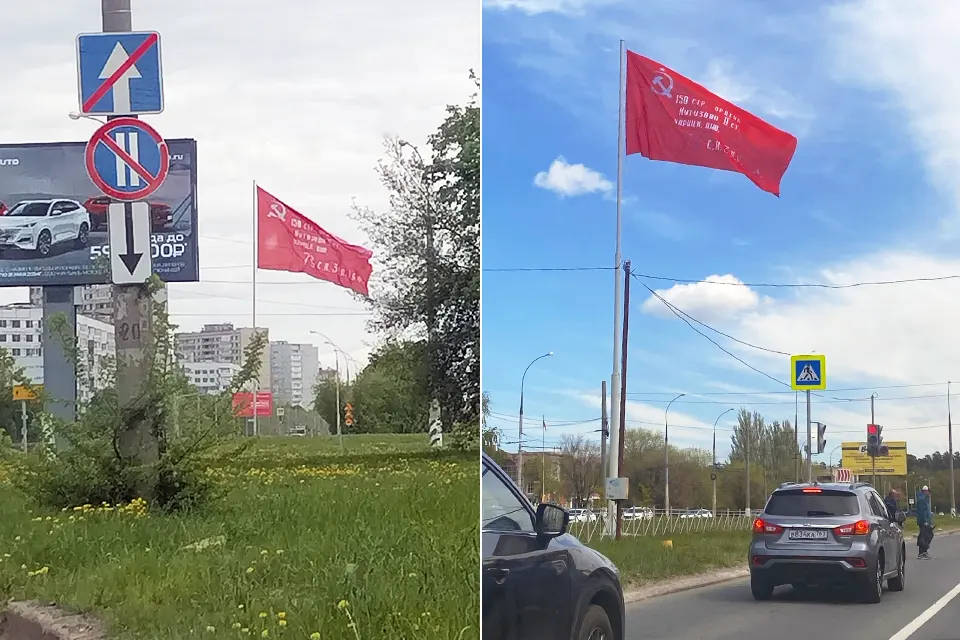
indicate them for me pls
(133, 321)
(953, 486)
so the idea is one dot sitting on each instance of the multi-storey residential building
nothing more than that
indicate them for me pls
(223, 343)
(21, 333)
(210, 377)
(95, 300)
(293, 371)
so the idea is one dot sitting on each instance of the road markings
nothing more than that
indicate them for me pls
(925, 617)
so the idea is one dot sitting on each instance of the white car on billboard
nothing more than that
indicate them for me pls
(37, 226)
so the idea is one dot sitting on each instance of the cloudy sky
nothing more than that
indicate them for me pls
(872, 195)
(297, 95)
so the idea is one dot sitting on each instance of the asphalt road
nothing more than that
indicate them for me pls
(928, 609)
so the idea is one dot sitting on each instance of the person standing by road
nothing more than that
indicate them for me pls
(924, 522)
(890, 502)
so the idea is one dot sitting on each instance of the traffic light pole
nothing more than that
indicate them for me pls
(873, 459)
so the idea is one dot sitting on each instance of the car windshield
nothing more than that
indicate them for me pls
(30, 209)
(826, 503)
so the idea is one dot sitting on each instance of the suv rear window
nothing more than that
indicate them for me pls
(794, 502)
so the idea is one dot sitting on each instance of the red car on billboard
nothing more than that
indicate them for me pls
(161, 216)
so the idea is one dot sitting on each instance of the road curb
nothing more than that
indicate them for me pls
(39, 621)
(666, 587)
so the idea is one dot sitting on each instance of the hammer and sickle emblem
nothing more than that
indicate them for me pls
(277, 210)
(662, 84)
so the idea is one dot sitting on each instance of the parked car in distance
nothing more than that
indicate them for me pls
(38, 225)
(831, 534)
(161, 216)
(637, 513)
(3, 208)
(537, 580)
(697, 513)
(582, 515)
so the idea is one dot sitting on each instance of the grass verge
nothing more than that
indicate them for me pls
(646, 559)
(305, 544)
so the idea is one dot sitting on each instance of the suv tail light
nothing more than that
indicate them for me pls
(858, 528)
(760, 526)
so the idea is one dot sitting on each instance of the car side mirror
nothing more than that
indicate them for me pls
(552, 520)
(901, 517)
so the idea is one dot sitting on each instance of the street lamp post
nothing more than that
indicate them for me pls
(666, 455)
(713, 472)
(830, 457)
(520, 440)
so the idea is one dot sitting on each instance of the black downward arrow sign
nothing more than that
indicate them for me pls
(130, 258)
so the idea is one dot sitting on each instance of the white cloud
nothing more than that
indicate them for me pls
(537, 7)
(572, 179)
(908, 51)
(738, 87)
(704, 301)
(297, 97)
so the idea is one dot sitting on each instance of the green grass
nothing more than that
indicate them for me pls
(645, 559)
(381, 545)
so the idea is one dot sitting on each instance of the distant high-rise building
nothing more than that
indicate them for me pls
(21, 334)
(293, 370)
(210, 377)
(94, 301)
(223, 343)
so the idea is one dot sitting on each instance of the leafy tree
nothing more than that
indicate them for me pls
(391, 391)
(579, 468)
(428, 245)
(325, 403)
(100, 465)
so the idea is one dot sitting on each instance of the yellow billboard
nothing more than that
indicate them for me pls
(856, 459)
(26, 392)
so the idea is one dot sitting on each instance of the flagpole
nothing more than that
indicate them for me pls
(614, 470)
(253, 280)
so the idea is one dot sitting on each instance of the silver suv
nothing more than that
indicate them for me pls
(834, 534)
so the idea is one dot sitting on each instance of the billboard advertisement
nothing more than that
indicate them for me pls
(53, 220)
(856, 459)
(244, 406)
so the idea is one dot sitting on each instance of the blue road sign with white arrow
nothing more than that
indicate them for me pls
(119, 74)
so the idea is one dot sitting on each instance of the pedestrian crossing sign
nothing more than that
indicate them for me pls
(808, 372)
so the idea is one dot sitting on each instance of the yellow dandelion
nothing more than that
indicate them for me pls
(343, 605)
(282, 623)
(250, 569)
(239, 606)
(236, 625)
(281, 614)
(265, 633)
(211, 628)
(315, 635)
(263, 614)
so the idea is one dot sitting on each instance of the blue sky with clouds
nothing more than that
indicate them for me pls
(868, 197)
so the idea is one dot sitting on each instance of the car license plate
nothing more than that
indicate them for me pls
(807, 534)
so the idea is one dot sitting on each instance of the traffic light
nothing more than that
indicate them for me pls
(874, 438)
(821, 440)
(348, 414)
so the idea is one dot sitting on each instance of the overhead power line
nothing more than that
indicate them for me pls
(758, 285)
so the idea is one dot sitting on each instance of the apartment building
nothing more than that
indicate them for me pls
(94, 301)
(21, 333)
(218, 343)
(210, 377)
(293, 371)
